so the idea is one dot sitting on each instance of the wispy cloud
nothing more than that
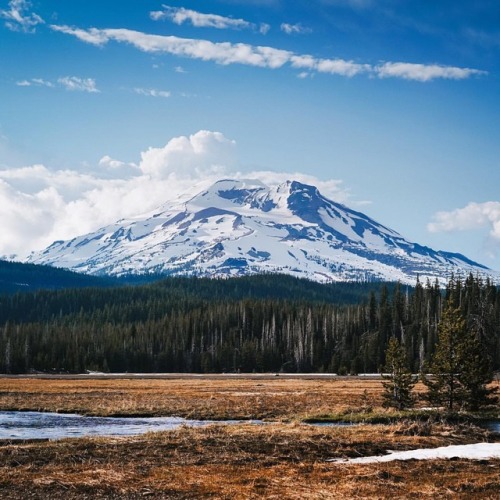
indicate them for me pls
(332, 66)
(483, 38)
(152, 92)
(180, 15)
(222, 53)
(295, 29)
(264, 28)
(35, 82)
(423, 72)
(73, 83)
(227, 53)
(18, 17)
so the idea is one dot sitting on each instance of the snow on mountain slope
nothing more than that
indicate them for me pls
(242, 227)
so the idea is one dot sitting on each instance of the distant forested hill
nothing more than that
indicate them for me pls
(142, 301)
(271, 286)
(20, 277)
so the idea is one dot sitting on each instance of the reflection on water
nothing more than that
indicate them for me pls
(493, 425)
(38, 425)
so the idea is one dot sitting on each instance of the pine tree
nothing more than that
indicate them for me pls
(446, 364)
(459, 370)
(399, 384)
(476, 374)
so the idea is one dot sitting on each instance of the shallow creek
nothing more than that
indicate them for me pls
(28, 425)
(38, 425)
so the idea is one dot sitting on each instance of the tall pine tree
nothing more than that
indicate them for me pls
(399, 380)
(459, 370)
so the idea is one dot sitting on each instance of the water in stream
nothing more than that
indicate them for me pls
(38, 425)
(493, 425)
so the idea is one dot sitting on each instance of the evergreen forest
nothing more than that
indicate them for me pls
(21, 277)
(266, 323)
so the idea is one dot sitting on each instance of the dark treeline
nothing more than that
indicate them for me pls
(20, 277)
(260, 323)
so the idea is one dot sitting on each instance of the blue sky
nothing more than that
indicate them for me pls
(391, 106)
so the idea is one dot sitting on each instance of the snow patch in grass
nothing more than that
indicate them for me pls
(477, 451)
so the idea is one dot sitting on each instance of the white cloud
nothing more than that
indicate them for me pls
(117, 168)
(332, 66)
(39, 205)
(264, 28)
(17, 18)
(294, 29)
(341, 67)
(152, 92)
(35, 82)
(67, 82)
(179, 69)
(221, 53)
(75, 83)
(261, 56)
(93, 36)
(424, 72)
(180, 15)
(26, 218)
(472, 216)
(199, 154)
(42, 82)
(35, 178)
(108, 162)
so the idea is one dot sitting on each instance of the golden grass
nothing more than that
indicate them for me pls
(278, 460)
(206, 398)
(272, 461)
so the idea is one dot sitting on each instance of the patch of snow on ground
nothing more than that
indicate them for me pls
(478, 451)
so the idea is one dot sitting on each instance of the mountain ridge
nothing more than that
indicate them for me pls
(238, 227)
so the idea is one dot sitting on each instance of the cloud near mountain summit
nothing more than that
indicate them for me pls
(41, 205)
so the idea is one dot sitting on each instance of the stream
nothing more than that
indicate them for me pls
(27, 425)
(41, 425)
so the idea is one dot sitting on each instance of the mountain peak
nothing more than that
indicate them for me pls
(245, 227)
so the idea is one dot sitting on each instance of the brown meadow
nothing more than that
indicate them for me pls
(281, 459)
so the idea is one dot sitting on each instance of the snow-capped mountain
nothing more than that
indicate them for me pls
(243, 227)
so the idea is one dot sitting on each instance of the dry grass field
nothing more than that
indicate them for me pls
(194, 397)
(281, 459)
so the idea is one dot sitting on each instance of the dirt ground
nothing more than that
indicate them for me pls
(279, 460)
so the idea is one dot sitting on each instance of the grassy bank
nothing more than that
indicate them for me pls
(273, 461)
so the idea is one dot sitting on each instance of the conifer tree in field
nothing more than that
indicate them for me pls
(399, 380)
(476, 375)
(447, 362)
(459, 370)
